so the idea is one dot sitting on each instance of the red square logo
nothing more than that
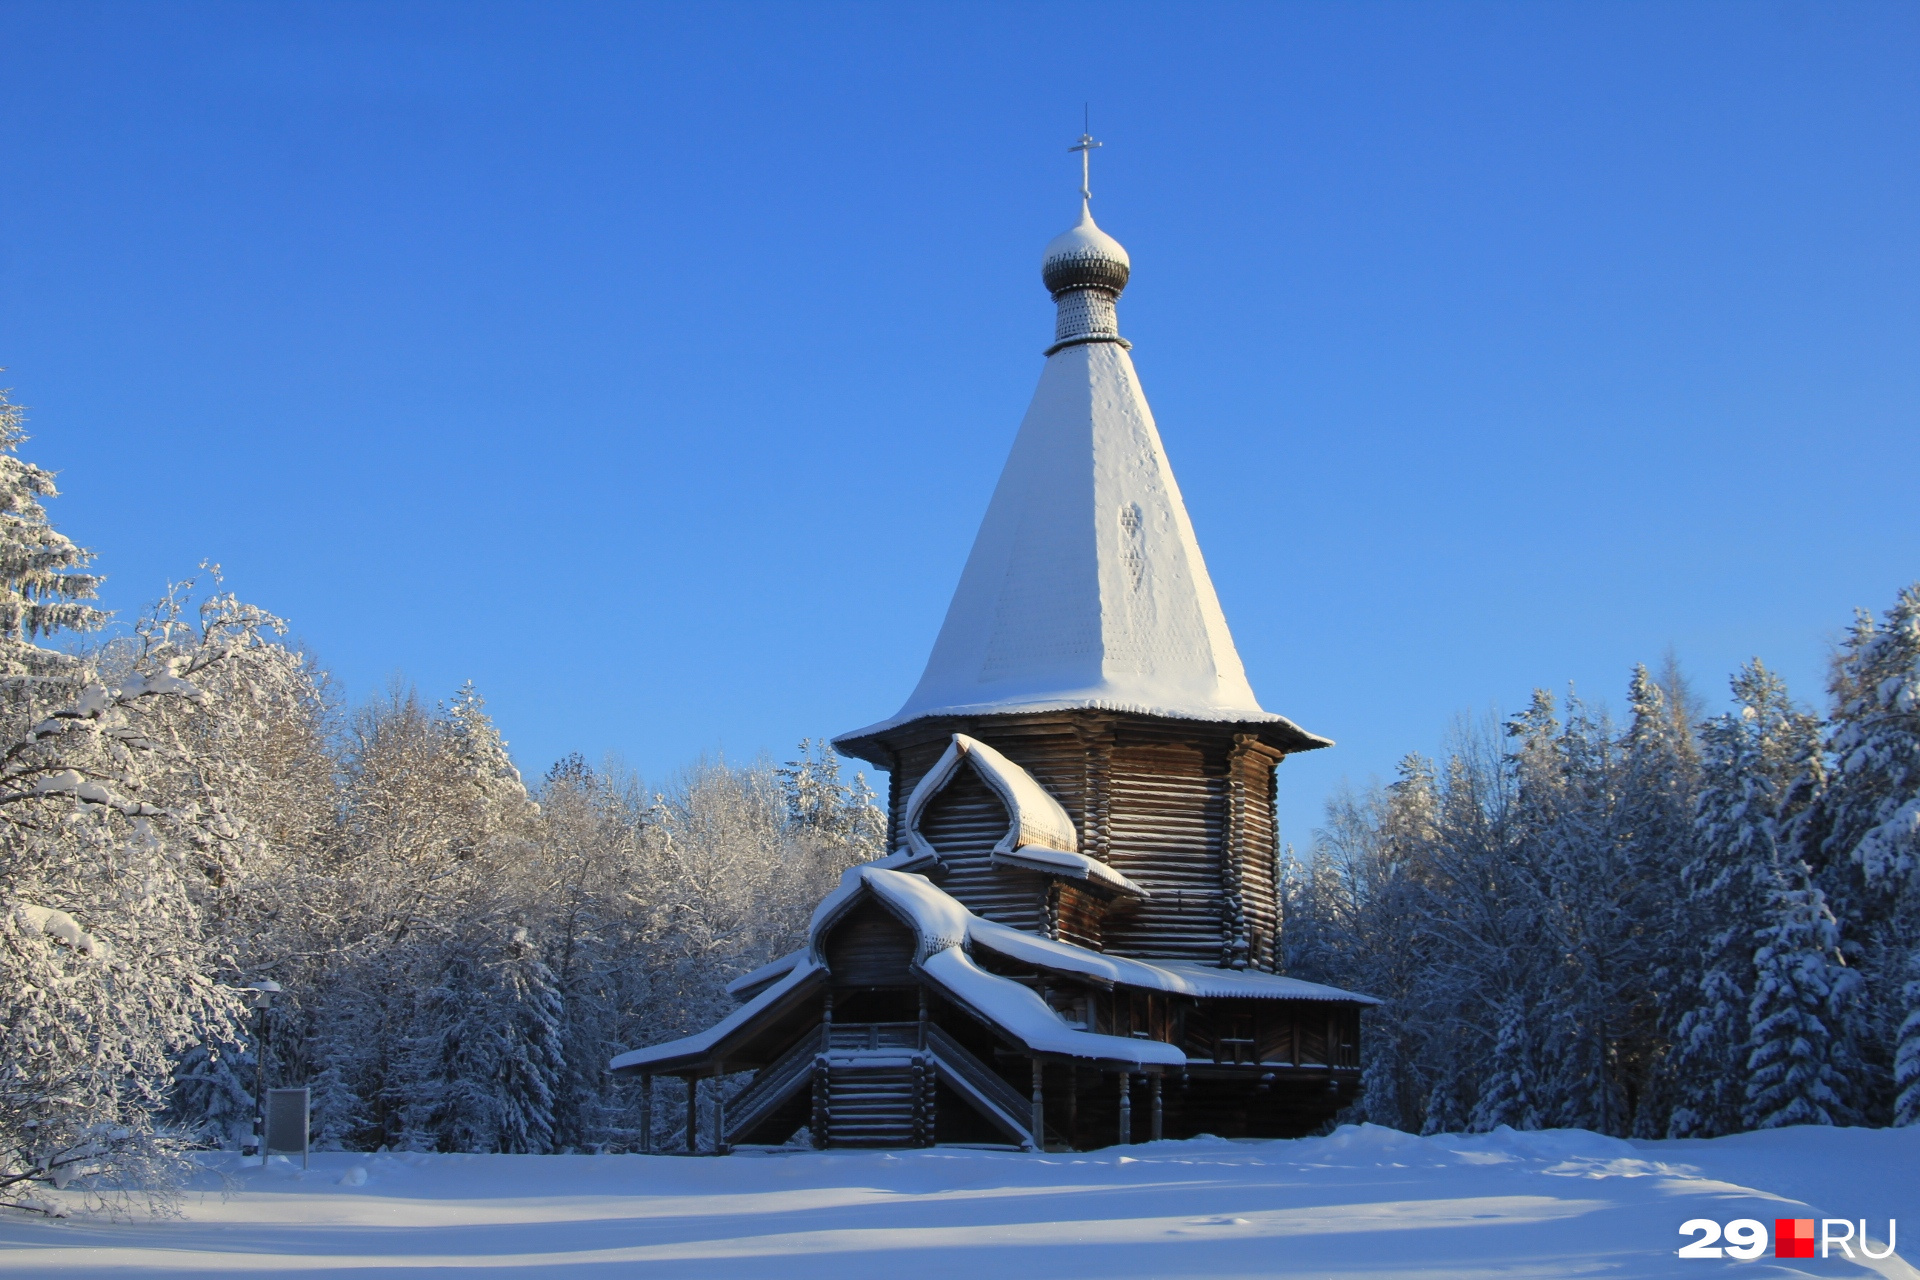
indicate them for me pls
(1793, 1237)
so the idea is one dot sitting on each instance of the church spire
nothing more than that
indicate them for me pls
(1085, 587)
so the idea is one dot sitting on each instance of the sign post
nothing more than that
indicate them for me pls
(287, 1112)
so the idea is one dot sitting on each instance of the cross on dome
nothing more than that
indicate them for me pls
(1085, 147)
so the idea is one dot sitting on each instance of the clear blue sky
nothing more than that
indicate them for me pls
(651, 367)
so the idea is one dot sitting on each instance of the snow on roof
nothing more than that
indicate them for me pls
(1177, 977)
(938, 922)
(1076, 866)
(748, 984)
(1027, 1018)
(1207, 981)
(1086, 587)
(705, 1042)
(943, 930)
(1035, 816)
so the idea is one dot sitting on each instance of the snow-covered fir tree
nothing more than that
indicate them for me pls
(1796, 1069)
(1860, 833)
(487, 1053)
(43, 583)
(1750, 757)
(843, 815)
(1675, 929)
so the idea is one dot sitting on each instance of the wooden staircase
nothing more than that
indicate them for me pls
(873, 1085)
(766, 1101)
(867, 1099)
(988, 1093)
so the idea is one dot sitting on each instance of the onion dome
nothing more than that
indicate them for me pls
(1085, 257)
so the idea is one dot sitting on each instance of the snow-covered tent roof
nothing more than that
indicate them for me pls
(1086, 587)
(945, 935)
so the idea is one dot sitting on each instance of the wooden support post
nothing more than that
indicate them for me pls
(922, 988)
(1039, 1110)
(1073, 1103)
(693, 1114)
(646, 1115)
(1126, 1108)
(1157, 1130)
(720, 1112)
(820, 1122)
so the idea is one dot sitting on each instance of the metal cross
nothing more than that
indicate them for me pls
(1085, 147)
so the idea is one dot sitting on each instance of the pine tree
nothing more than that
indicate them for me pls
(1906, 1064)
(488, 1052)
(1797, 1067)
(1511, 1086)
(41, 578)
(1751, 756)
(844, 818)
(1659, 786)
(1860, 832)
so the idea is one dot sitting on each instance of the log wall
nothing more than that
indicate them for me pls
(1286, 1033)
(1076, 916)
(1168, 817)
(870, 947)
(964, 822)
(1185, 809)
(1252, 856)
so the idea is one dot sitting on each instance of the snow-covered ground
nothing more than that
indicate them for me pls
(1363, 1202)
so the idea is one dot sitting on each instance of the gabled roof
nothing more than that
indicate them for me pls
(1036, 817)
(1040, 835)
(944, 934)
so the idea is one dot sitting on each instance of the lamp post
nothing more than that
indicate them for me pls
(263, 993)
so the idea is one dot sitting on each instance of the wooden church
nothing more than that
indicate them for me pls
(1073, 940)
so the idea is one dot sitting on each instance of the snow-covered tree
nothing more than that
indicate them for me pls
(487, 1052)
(105, 969)
(1516, 908)
(822, 807)
(42, 583)
(587, 876)
(422, 883)
(1751, 756)
(1860, 832)
(1797, 1067)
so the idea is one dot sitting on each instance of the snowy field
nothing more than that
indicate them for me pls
(1363, 1202)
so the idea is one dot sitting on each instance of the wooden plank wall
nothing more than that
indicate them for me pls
(1186, 810)
(870, 947)
(1168, 816)
(1301, 1033)
(964, 822)
(1252, 856)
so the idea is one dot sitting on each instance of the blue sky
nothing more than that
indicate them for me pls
(652, 367)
